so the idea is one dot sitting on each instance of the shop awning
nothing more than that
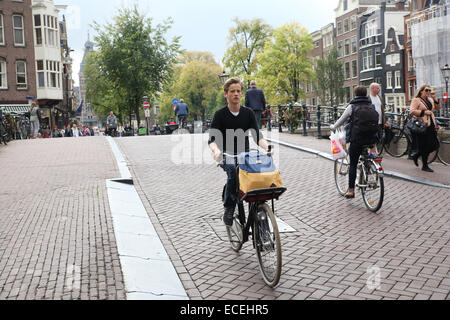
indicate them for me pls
(15, 108)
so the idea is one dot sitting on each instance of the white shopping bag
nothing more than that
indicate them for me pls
(337, 147)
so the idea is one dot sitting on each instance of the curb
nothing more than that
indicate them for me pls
(391, 174)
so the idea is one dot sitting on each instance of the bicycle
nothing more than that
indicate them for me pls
(395, 137)
(370, 178)
(444, 142)
(262, 225)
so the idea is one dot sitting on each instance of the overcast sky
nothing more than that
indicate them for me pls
(202, 24)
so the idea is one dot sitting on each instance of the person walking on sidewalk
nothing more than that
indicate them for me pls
(34, 120)
(422, 108)
(229, 133)
(380, 106)
(363, 121)
(111, 123)
(182, 112)
(255, 100)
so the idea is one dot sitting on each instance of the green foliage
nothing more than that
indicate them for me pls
(285, 64)
(134, 59)
(330, 79)
(246, 40)
(196, 81)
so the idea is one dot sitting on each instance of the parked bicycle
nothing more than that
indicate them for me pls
(4, 129)
(396, 139)
(370, 178)
(262, 225)
(444, 145)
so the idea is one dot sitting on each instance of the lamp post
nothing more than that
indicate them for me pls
(224, 77)
(446, 74)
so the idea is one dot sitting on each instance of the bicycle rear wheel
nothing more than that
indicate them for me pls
(433, 156)
(398, 146)
(373, 188)
(268, 245)
(341, 171)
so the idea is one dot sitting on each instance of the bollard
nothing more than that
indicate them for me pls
(291, 126)
(280, 129)
(269, 125)
(336, 118)
(319, 123)
(305, 132)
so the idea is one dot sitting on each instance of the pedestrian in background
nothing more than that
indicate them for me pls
(255, 100)
(34, 120)
(111, 123)
(75, 131)
(120, 130)
(422, 108)
(182, 112)
(380, 106)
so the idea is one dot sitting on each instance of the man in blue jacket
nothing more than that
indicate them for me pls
(255, 100)
(182, 112)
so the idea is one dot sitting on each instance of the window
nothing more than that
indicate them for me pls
(38, 29)
(339, 28)
(367, 60)
(2, 34)
(389, 80)
(353, 25)
(40, 73)
(354, 48)
(347, 47)
(347, 94)
(345, 5)
(369, 29)
(410, 62)
(19, 38)
(347, 70)
(377, 57)
(398, 79)
(21, 74)
(50, 31)
(3, 75)
(340, 49)
(411, 89)
(346, 26)
(354, 69)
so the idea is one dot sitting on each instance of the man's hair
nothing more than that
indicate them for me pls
(361, 91)
(253, 83)
(232, 81)
(182, 100)
(375, 84)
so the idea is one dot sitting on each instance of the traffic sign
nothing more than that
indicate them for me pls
(147, 113)
(146, 105)
(175, 101)
(445, 97)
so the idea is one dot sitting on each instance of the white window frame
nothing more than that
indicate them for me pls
(3, 74)
(398, 80)
(389, 80)
(367, 57)
(40, 72)
(354, 45)
(2, 30)
(347, 44)
(25, 84)
(355, 74)
(51, 31)
(22, 29)
(36, 28)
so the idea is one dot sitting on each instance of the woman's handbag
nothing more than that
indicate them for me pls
(416, 126)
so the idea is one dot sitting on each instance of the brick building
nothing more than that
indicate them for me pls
(17, 56)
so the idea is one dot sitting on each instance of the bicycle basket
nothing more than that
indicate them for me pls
(257, 171)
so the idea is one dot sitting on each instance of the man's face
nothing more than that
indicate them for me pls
(375, 90)
(234, 94)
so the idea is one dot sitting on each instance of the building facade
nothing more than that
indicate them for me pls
(85, 114)
(17, 56)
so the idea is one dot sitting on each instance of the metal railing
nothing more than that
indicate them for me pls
(318, 118)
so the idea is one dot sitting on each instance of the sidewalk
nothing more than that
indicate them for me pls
(399, 168)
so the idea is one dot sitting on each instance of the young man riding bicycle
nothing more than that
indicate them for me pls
(229, 133)
(363, 122)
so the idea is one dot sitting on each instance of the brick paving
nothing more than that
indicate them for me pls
(336, 244)
(56, 233)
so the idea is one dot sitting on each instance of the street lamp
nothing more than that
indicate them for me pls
(446, 74)
(224, 77)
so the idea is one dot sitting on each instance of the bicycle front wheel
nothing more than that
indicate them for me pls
(341, 171)
(398, 146)
(372, 188)
(268, 245)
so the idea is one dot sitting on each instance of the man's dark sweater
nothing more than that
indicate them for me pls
(224, 121)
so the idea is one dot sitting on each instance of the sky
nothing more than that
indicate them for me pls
(202, 24)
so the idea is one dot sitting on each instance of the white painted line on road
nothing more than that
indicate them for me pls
(147, 269)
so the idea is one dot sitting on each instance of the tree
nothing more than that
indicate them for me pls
(285, 64)
(246, 39)
(134, 57)
(197, 82)
(330, 79)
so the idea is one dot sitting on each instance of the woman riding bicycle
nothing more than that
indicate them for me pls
(363, 123)
(229, 133)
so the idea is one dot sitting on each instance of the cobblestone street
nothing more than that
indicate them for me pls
(57, 239)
